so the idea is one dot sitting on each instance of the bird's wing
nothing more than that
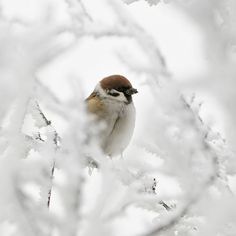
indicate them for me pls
(95, 105)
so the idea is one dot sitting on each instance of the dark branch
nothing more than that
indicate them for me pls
(56, 139)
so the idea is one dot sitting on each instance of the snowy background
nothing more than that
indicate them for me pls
(178, 175)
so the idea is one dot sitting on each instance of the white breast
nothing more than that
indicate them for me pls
(119, 127)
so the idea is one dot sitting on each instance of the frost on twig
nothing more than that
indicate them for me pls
(196, 194)
(50, 140)
(154, 189)
(56, 143)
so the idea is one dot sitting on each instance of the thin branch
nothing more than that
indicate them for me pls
(47, 122)
(56, 139)
(176, 216)
(193, 198)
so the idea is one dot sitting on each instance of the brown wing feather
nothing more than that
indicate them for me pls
(95, 105)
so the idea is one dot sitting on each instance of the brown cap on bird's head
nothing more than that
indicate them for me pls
(119, 83)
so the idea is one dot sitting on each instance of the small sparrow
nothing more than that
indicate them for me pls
(111, 103)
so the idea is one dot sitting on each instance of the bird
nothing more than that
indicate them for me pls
(111, 103)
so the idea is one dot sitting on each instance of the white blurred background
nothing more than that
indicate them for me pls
(180, 55)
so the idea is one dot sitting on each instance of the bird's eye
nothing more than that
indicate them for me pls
(113, 93)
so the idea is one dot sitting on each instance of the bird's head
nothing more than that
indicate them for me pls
(116, 87)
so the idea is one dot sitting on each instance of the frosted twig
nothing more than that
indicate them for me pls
(177, 215)
(56, 142)
(154, 186)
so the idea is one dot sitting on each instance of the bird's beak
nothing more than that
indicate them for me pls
(131, 91)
